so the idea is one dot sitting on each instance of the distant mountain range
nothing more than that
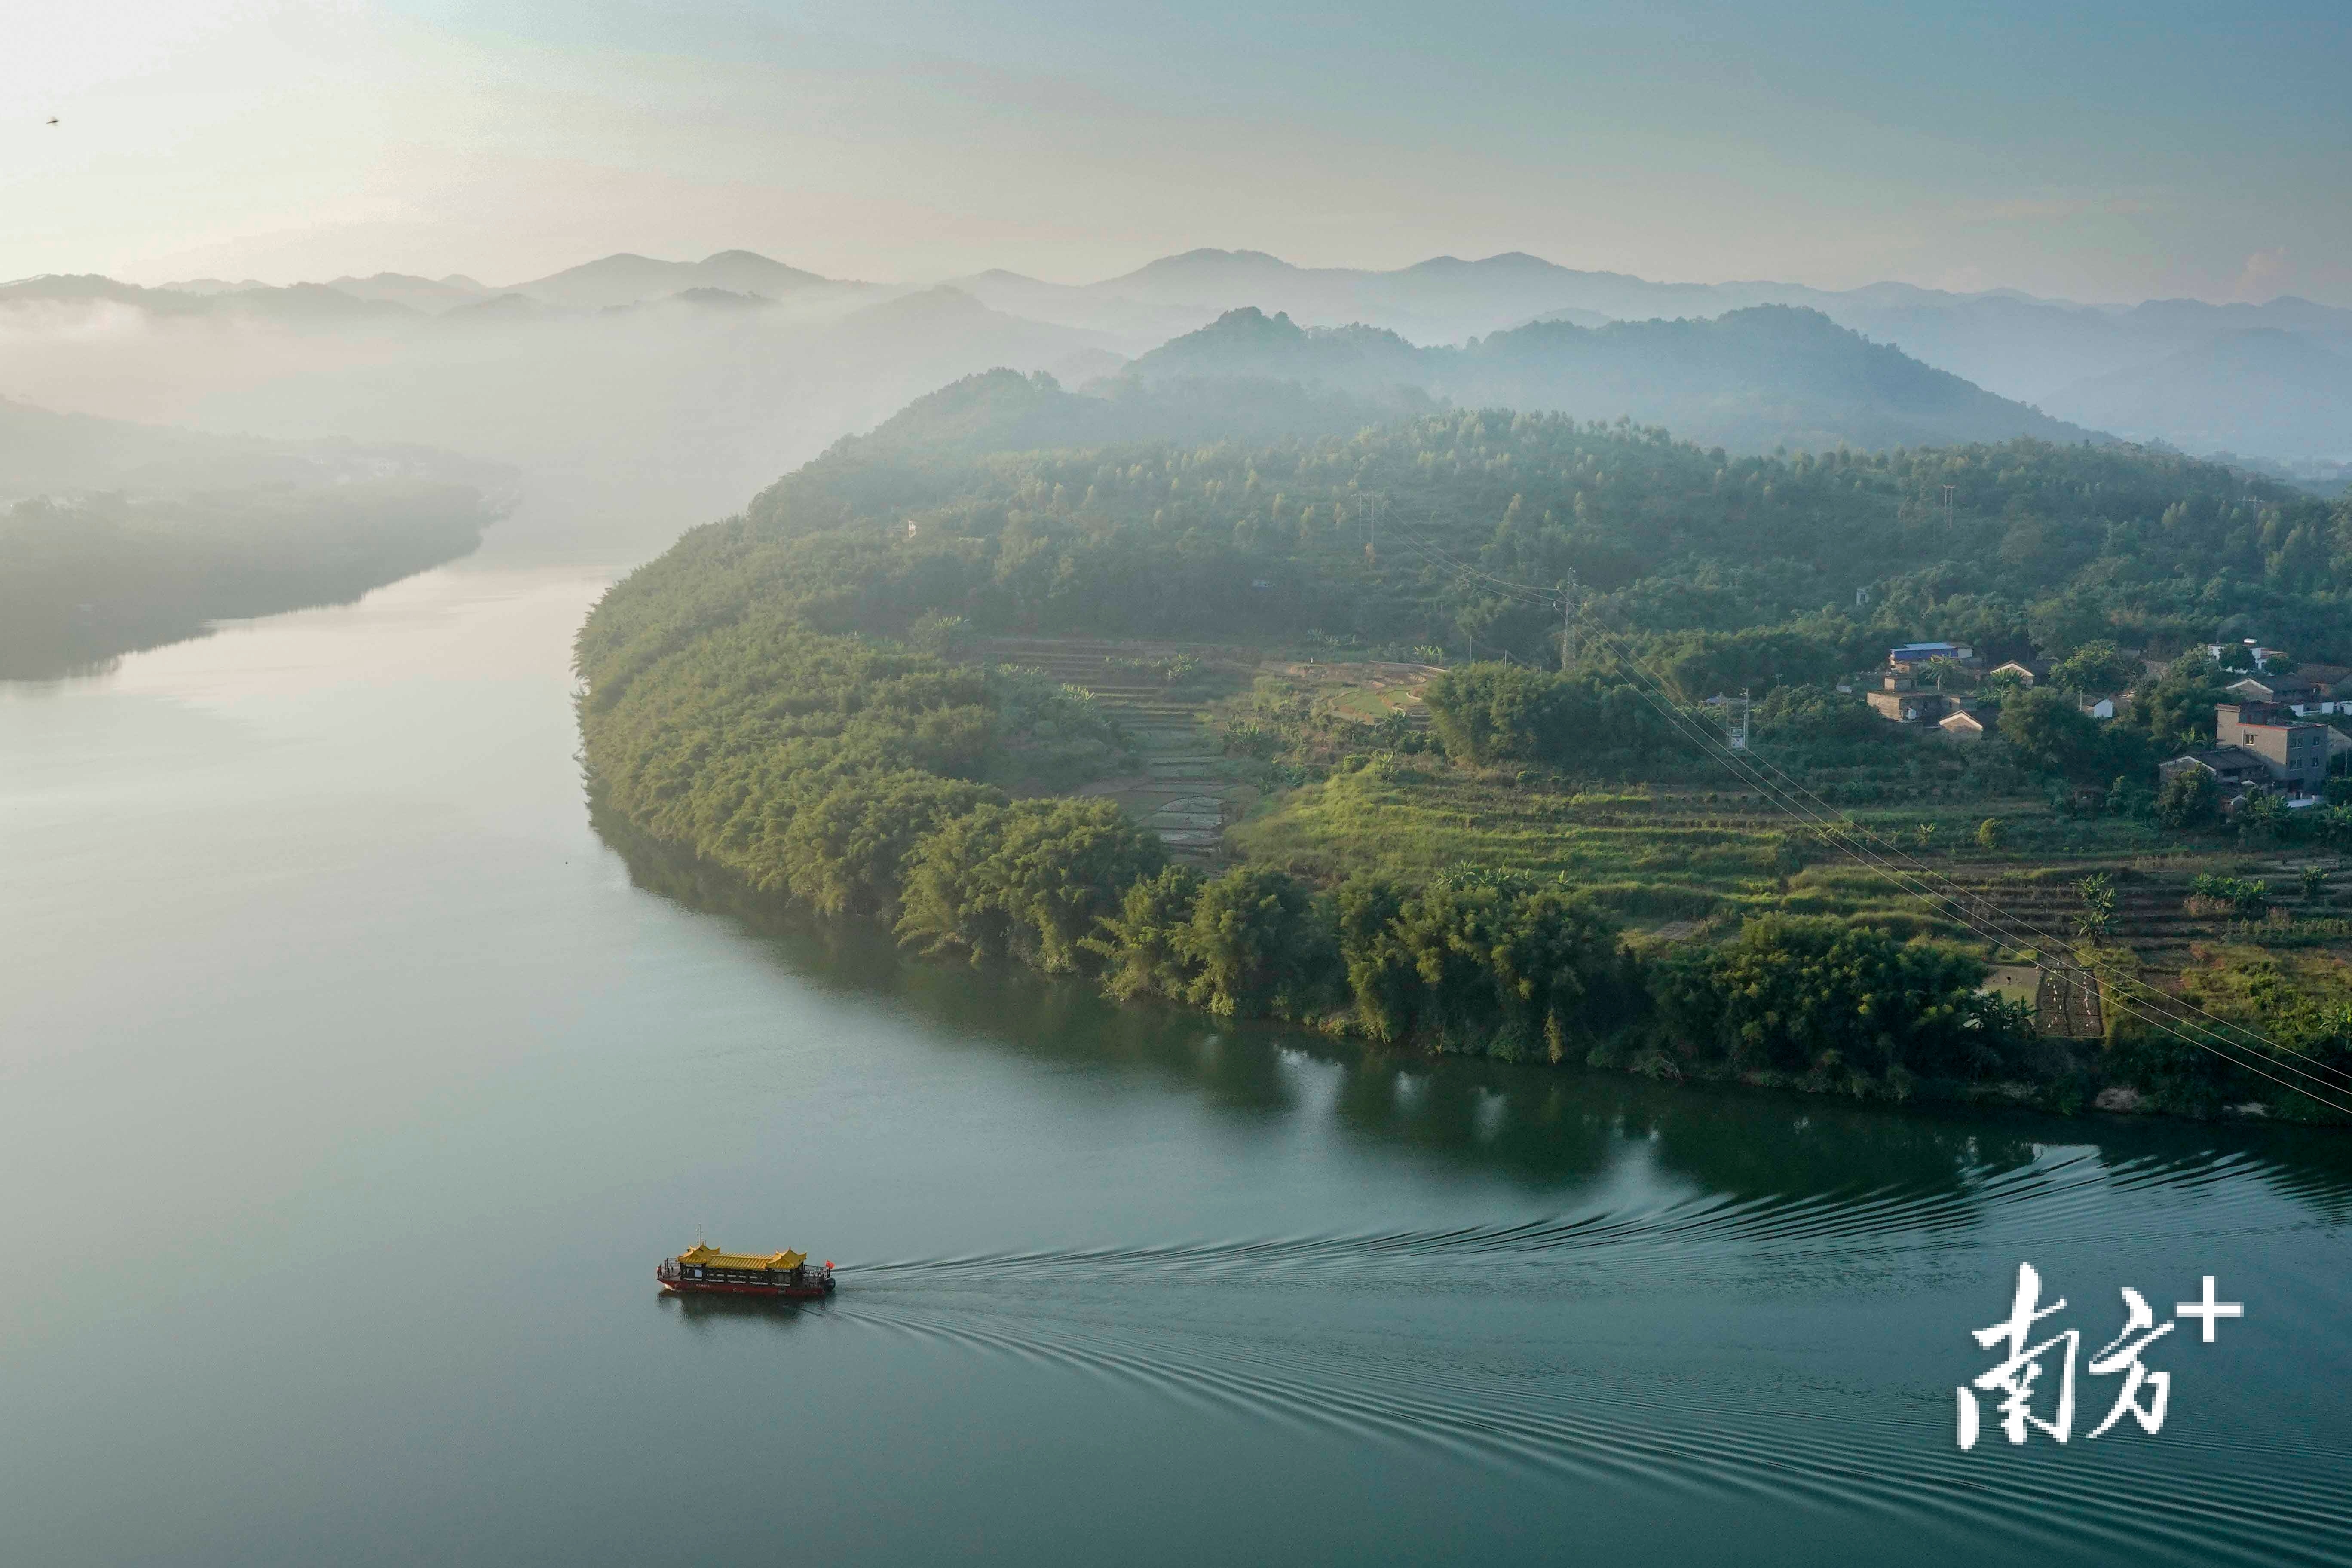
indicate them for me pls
(2285, 394)
(610, 283)
(2264, 380)
(2014, 344)
(1751, 380)
(1005, 411)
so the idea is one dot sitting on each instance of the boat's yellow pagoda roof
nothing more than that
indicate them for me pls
(709, 1257)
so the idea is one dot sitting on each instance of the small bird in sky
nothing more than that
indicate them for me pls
(53, 120)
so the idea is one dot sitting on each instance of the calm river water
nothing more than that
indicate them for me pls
(350, 1088)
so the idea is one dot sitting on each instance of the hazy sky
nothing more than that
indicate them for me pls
(2111, 149)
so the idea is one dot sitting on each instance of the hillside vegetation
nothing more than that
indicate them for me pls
(791, 694)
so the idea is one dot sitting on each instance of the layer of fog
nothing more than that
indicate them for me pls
(642, 422)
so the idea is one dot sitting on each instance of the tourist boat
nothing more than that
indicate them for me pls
(704, 1268)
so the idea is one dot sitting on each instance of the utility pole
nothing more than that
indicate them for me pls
(1568, 621)
(1948, 507)
(1736, 717)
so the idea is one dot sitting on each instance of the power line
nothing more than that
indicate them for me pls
(1996, 927)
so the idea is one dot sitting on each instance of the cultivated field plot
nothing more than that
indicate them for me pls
(1186, 791)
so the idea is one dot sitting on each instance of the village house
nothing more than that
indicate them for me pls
(2234, 769)
(2264, 747)
(2291, 689)
(2029, 671)
(1968, 722)
(1900, 700)
(1912, 653)
(2334, 681)
(2312, 689)
(2264, 657)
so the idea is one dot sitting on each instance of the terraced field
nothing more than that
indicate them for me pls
(1675, 862)
(2153, 916)
(1187, 793)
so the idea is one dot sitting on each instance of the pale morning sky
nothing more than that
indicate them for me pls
(2102, 150)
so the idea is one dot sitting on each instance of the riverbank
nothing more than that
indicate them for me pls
(2066, 1077)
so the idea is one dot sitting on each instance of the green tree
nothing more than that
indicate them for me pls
(2177, 710)
(2187, 798)
(2097, 895)
(2098, 667)
(1494, 969)
(1029, 880)
(1257, 945)
(844, 852)
(1817, 997)
(1993, 834)
(2264, 818)
(1139, 942)
(2048, 729)
(1486, 713)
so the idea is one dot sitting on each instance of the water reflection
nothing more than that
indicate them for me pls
(707, 1313)
(1813, 1160)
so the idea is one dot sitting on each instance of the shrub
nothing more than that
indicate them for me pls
(1519, 974)
(1486, 713)
(844, 852)
(2242, 895)
(2188, 798)
(1256, 944)
(1813, 996)
(1139, 941)
(1029, 880)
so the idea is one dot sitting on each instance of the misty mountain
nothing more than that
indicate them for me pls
(429, 295)
(1749, 381)
(2030, 348)
(2267, 393)
(206, 286)
(1005, 411)
(610, 282)
(296, 305)
(1443, 299)
(644, 415)
(1439, 299)
(2009, 343)
(949, 315)
(626, 279)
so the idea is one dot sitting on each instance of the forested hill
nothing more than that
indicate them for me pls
(794, 695)
(1748, 381)
(1003, 411)
(1755, 560)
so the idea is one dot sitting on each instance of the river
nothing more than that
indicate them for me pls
(350, 1088)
